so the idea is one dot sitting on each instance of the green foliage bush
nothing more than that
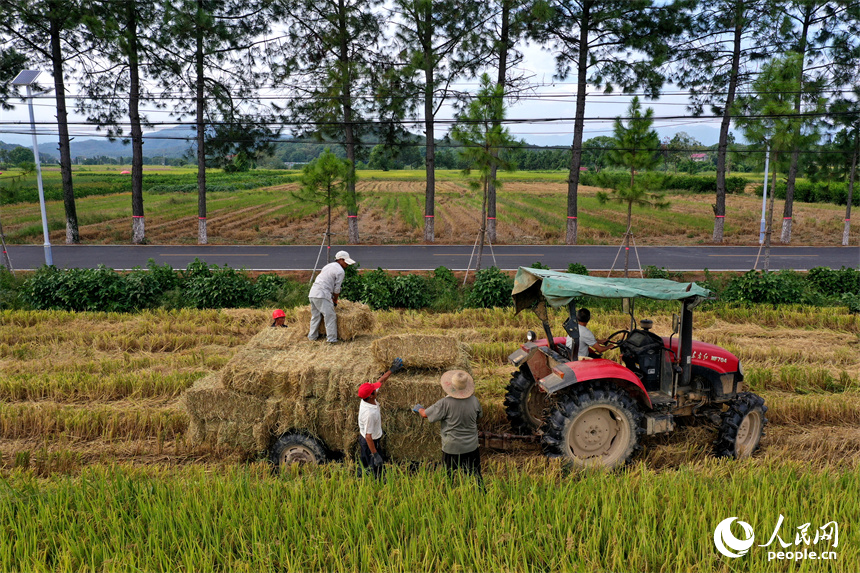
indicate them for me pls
(694, 183)
(377, 289)
(352, 287)
(831, 282)
(445, 294)
(222, 287)
(821, 192)
(492, 288)
(11, 287)
(410, 291)
(652, 272)
(577, 269)
(539, 265)
(781, 287)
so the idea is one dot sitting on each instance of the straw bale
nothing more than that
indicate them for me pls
(274, 338)
(405, 389)
(222, 404)
(408, 436)
(249, 372)
(420, 351)
(353, 319)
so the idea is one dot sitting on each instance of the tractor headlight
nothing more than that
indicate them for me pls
(531, 336)
(740, 369)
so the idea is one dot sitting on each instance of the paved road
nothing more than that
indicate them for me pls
(426, 257)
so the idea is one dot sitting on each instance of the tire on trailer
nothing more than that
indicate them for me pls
(525, 403)
(741, 427)
(296, 448)
(597, 425)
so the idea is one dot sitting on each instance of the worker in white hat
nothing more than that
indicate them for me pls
(458, 412)
(323, 296)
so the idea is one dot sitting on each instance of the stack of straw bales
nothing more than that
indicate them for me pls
(281, 382)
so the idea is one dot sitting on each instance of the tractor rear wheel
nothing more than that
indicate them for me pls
(741, 427)
(596, 425)
(525, 403)
(297, 448)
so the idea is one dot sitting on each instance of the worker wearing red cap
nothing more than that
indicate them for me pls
(370, 422)
(278, 318)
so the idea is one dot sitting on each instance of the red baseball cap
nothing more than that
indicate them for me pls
(366, 389)
(278, 313)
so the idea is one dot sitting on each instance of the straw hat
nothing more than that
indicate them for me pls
(458, 384)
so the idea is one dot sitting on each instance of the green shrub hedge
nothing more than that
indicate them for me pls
(210, 286)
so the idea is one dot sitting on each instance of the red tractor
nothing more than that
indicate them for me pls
(594, 411)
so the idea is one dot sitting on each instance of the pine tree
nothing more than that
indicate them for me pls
(479, 129)
(636, 148)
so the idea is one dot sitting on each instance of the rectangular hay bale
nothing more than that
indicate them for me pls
(421, 351)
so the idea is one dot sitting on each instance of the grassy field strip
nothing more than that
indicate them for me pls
(246, 519)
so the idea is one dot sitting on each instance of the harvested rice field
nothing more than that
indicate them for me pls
(99, 469)
(531, 209)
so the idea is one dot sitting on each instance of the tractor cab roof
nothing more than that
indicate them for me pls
(560, 288)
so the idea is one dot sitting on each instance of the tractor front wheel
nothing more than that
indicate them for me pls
(525, 402)
(297, 448)
(741, 427)
(596, 425)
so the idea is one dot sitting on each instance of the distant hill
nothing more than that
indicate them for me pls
(173, 142)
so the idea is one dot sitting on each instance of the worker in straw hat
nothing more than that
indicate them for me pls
(458, 412)
(278, 318)
(370, 422)
(323, 296)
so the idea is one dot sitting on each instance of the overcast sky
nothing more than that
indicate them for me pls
(553, 100)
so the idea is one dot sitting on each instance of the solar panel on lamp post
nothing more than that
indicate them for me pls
(28, 78)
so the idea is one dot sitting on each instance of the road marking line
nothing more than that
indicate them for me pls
(211, 255)
(486, 253)
(772, 256)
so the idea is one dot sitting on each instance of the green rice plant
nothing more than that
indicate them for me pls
(528, 517)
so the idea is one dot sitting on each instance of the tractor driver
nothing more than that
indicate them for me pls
(588, 343)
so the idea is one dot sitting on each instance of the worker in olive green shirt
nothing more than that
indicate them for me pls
(458, 413)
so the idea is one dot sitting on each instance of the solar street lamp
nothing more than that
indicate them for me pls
(28, 78)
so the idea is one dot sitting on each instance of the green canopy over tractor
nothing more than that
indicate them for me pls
(560, 288)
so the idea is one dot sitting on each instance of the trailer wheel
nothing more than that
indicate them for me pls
(741, 427)
(297, 448)
(597, 425)
(525, 403)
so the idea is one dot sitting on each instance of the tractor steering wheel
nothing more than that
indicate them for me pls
(611, 339)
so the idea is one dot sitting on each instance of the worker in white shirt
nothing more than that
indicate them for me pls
(323, 296)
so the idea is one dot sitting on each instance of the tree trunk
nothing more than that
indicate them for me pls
(501, 80)
(202, 237)
(769, 224)
(795, 154)
(846, 231)
(723, 145)
(348, 131)
(579, 121)
(482, 232)
(328, 228)
(72, 233)
(785, 236)
(138, 234)
(430, 154)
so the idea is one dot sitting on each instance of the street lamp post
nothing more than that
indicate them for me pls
(28, 78)
(764, 195)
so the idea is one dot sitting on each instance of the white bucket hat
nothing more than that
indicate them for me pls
(457, 384)
(345, 256)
